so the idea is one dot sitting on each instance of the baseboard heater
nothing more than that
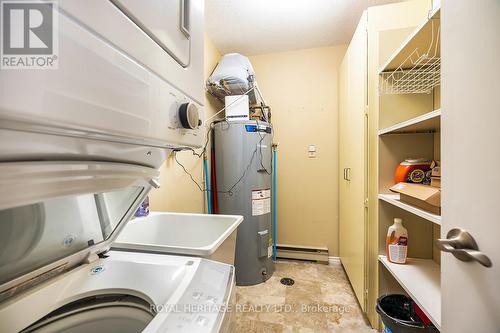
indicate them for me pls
(318, 254)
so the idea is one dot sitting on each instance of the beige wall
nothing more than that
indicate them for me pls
(301, 88)
(177, 192)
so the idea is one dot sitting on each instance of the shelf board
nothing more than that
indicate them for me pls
(393, 199)
(429, 122)
(421, 279)
(419, 39)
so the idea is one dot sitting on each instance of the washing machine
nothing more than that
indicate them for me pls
(124, 293)
(80, 149)
(57, 274)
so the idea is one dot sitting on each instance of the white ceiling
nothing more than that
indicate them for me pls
(262, 26)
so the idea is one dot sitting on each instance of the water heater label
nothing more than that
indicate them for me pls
(261, 202)
(261, 128)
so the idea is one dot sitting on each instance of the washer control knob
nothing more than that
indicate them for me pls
(189, 115)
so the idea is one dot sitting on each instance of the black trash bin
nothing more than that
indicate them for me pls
(398, 314)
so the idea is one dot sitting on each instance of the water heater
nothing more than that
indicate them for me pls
(243, 160)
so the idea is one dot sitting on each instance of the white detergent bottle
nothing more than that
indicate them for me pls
(397, 242)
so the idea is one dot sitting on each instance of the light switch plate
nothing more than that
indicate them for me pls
(311, 151)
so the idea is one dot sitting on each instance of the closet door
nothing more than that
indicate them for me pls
(344, 193)
(470, 50)
(352, 105)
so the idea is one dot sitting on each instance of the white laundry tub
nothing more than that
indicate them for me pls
(201, 235)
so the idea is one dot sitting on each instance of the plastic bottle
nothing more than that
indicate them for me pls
(143, 209)
(397, 242)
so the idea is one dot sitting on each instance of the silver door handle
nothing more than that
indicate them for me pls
(463, 246)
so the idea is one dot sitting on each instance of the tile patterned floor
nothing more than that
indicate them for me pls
(321, 300)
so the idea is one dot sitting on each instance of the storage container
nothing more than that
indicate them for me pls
(401, 315)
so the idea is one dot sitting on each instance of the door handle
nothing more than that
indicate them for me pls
(463, 246)
(345, 173)
(348, 174)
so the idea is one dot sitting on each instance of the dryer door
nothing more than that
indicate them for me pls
(166, 22)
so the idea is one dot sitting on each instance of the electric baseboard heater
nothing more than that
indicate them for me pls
(318, 254)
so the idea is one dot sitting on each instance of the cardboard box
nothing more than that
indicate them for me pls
(436, 182)
(422, 196)
(436, 169)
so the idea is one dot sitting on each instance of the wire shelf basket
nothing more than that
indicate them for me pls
(418, 80)
(419, 73)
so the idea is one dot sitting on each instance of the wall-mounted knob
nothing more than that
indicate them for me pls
(189, 115)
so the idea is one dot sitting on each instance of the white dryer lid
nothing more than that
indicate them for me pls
(55, 215)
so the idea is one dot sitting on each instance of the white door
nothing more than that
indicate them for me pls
(470, 48)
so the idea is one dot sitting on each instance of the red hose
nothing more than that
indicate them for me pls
(213, 178)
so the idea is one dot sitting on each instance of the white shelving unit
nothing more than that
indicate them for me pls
(393, 199)
(429, 122)
(421, 279)
(410, 126)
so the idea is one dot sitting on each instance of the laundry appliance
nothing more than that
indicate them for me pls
(80, 148)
